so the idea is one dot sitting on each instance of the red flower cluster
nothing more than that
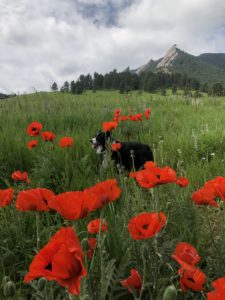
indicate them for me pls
(93, 226)
(211, 189)
(6, 197)
(34, 199)
(78, 204)
(137, 117)
(108, 126)
(20, 176)
(146, 225)
(61, 260)
(133, 282)
(219, 293)
(152, 176)
(191, 277)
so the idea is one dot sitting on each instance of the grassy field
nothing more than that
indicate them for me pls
(185, 134)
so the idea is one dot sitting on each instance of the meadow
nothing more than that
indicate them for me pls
(185, 133)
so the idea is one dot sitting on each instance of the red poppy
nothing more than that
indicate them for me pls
(6, 197)
(219, 293)
(34, 128)
(133, 282)
(137, 117)
(93, 226)
(146, 179)
(146, 225)
(32, 144)
(182, 181)
(92, 243)
(48, 136)
(116, 147)
(147, 113)
(108, 126)
(191, 278)
(185, 252)
(206, 195)
(20, 176)
(66, 142)
(219, 184)
(102, 193)
(61, 260)
(124, 118)
(71, 205)
(34, 199)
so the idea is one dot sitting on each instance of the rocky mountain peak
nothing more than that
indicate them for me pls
(168, 59)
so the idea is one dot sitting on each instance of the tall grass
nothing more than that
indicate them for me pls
(186, 134)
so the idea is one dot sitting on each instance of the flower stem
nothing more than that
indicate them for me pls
(38, 229)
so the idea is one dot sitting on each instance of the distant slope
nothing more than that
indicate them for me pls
(208, 67)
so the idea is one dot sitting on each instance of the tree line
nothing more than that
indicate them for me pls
(129, 81)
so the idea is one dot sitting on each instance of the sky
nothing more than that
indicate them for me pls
(42, 41)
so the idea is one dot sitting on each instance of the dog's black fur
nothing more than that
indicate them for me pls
(131, 155)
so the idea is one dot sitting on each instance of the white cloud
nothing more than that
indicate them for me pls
(44, 41)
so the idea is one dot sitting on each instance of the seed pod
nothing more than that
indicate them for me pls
(9, 289)
(170, 293)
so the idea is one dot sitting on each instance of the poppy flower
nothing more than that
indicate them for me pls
(34, 199)
(20, 176)
(146, 179)
(219, 293)
(185, 252)
(108, 126)
(32, 144)
(102, 193)
(61, 260)
(48, 136)
(182, 181)
(116, 147)
(191, 278)
(124, 118)
(71, 205)
(206, 195)
(93, 226)
(147, 113)
(34, 128)
(137, 117)
(92, 243)
(66, 142)
(219, 184)
(146, 225)
(6, 197)
(133, 282)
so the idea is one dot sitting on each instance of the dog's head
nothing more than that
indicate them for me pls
(98, 142)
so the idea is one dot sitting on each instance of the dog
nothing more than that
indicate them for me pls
(131, 156)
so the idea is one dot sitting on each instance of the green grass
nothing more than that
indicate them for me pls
(186, 134)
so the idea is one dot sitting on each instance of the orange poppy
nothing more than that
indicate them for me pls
(133, 282)
(6, 197)
(146, 225)
(219, 293)
(182, 181)
(32, 144)
(191, 278)
(20, 176)
(66, 142)
(61, 260)
(108, 126)
(93, 226)
(34, 128)
(48, 136)
(206, 195)
(185, 252)
(116, 147)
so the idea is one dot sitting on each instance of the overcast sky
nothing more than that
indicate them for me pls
(42, 41)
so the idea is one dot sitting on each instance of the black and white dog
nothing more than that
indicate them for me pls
(131, 155)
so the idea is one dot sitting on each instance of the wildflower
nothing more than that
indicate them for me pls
(34, 199)
(206, 195)
(6, 197)
(61, 260)
(219, 184)
(147, 113)
(108, 126)
(146, 225)
(219, 293)
(133, 282)
(32, 144)
(48, 136)
(191, 278)
(93, 226)
(92, 243)
(66, 142)
(34, 128)
(185, 252)
(20, 176)
(182, 181)
(116, 147)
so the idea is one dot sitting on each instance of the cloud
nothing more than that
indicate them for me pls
(44, 41)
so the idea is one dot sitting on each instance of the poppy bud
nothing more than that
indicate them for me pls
(41, 284)
(84, 244)
(170, 293)
(5, 280)
(9, 289)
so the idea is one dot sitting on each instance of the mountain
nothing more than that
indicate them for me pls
(207, 67)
